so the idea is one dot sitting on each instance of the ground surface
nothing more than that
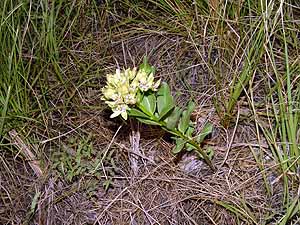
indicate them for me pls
(67, 162)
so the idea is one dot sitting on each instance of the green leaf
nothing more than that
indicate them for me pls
(146, 66)
(164, 89)
(179, 145)
(210, 152)
(148, 104)
(170, 131)
(173, 118)
(149, 122)
(185, 118)
(207, 129)
(189, 131)
(139, 97)
(165, 102)
(190, 147)
(136, 113)
(107, 184)
(34, 202)
(207, 150)
(191, 106)
(4, 110)
(166, 111)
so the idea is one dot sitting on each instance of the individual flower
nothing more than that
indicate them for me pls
(145, 81)
(120, 110)
(109, 93)
(156, 85)
(130, 73)
(130, 99)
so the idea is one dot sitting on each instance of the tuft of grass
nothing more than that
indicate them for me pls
(241, 212)
(284, 95)
(4, 110)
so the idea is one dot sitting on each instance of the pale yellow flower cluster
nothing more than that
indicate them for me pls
(122, 88)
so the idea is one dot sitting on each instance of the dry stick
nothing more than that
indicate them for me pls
(140, 207)
(209, 217)
(135, 146)
(190, 219)
(232, 138)
(106, 151)
(23, 148)
(67, 133)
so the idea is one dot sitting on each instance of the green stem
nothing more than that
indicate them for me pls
(179, 134)
(196, 145)
(188, 140)
(203, 154)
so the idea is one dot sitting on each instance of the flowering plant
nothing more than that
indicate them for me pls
(134, 93)
(124, 88)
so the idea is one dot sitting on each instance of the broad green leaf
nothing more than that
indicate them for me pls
(136, 113)
(164, 89)
(166, 111)
(185, 118)
(149, 103)
(190, 147)
(191, 106)
(207, 129)
(179, 145)
(149, 122)
(172, 120)
(189, 131)
(165, 101)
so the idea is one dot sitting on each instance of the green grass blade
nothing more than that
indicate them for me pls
(4, 110)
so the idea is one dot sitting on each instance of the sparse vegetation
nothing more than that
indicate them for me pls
(64, 161)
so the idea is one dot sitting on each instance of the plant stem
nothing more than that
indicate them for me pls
(177, 133)
(203, 154)
(192, 142)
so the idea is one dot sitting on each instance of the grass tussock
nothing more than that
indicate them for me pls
(63, 161)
